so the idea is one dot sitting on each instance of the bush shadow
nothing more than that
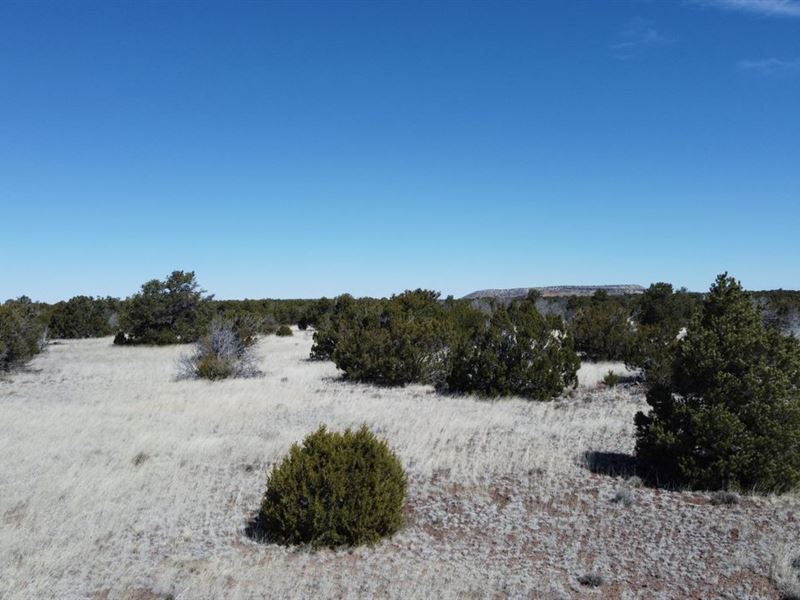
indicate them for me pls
(614, 464)
(256, 530)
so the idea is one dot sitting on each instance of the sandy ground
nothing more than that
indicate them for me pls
(119, 482)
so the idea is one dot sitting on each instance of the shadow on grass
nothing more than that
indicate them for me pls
(256, 530)
(615, 464)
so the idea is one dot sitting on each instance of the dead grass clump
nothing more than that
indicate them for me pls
(724, 498)
(623, 496)
(785, 572)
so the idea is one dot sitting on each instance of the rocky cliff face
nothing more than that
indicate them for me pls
(556, 291)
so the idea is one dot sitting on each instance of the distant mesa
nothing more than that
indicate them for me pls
(557, 290)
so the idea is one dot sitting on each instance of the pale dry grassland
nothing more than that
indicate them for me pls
(117, 481)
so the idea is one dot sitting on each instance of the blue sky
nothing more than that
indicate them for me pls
(308, 149)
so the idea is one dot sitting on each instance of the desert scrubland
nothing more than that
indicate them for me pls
(119, 481)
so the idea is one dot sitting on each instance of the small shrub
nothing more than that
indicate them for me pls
(284, 331)
(213, 367)
(634, 481)
(623, 495)
(591, 580)
(611, 379)
(335, 489)
(724, 498)
(220, 354)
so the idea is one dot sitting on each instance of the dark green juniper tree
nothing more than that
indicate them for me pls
(330, 320)
(517, 351)
(83, 317)
(395, 342)
(660, 313)
(729, 415)
(602, 330)
(172, 311)
(22, 331)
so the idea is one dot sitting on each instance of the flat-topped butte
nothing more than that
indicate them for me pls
(558, 290)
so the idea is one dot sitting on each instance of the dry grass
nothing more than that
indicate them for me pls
(786, 572)
(592, 374)
(120, 482)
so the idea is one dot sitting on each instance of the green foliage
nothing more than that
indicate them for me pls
(246, 326)
(395, 342)
(413, 337)
(213, 367)
(602, 329)
(611, 379)
(517, 351)
(335, 489)
(284, 331)
(22, 331)
(166, 312)
(83, 317)
(661, 313)
(660, 304)
(729, 415)
(338, 315)
(315, 312)
(269, 312)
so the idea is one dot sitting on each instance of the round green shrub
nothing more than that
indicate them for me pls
(729, 415)
(284, 331)
(335, 489)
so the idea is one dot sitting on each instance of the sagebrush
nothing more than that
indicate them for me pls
(223, 352)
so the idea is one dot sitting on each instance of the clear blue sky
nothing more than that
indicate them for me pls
(308, 149)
